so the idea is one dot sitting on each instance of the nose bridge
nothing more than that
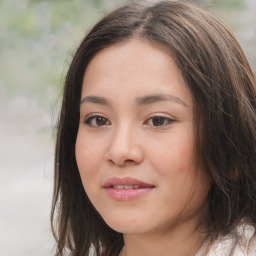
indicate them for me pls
(124, 145)
(123, 134)
(123, 138)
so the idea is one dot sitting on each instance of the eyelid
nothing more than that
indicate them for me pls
(95, 115)
(161, 115)
(170, 119)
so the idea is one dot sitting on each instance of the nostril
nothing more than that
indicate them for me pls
(129, 161)
(122, 163)
(121, 156)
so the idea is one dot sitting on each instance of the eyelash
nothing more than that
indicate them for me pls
(93, 118)
(162, 118)
(88, 121)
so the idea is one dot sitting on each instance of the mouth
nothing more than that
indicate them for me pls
(126, 188)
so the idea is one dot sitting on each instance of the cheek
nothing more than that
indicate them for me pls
(88, 154)
(174, 155)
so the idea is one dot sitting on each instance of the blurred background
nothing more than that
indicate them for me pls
(37, 39)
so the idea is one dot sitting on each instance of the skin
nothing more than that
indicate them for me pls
(130, 141)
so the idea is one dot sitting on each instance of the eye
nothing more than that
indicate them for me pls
(159, 121)
(97, 121)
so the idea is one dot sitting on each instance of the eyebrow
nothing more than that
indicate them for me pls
(149, 99)
(95, 99)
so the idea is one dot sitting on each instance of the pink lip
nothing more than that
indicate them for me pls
(125, 181)
(126, 194)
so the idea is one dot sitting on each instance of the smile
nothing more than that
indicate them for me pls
(126, 188)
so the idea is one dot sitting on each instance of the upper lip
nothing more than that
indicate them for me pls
(125, 181)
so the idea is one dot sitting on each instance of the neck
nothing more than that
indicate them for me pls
(181, 240)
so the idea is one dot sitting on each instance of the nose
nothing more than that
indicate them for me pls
(124, 147)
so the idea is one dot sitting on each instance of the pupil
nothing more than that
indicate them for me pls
(158, 121)
(100, 121)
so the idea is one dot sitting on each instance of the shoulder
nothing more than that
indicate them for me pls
(242, 243)
(247, 241)
(251, 248)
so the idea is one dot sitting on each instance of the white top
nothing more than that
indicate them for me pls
(228, 246)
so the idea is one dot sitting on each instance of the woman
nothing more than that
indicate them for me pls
(155, 153)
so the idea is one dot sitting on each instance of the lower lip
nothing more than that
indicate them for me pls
(127, 194)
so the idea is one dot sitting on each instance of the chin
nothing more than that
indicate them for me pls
(126, 225)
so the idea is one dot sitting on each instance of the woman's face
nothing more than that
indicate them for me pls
(135, 143)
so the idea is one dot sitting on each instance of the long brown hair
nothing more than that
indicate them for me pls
(223, 86)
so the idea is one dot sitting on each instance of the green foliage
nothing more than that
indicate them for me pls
(36, 42)
(229, 4)
(38, 37)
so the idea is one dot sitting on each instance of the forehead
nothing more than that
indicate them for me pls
(134, 67)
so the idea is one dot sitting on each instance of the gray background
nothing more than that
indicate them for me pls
(37, 39)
